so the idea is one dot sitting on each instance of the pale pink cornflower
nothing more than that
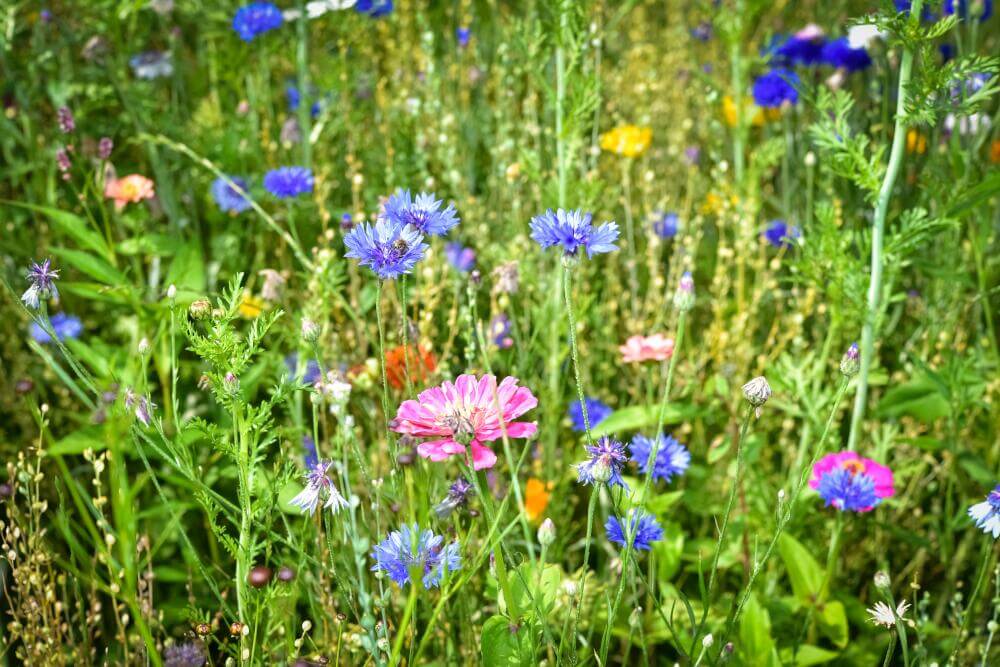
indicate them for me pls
(464, 414)
(130, 189)
(647, 348)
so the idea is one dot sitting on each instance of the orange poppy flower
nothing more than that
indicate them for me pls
(416, 360)
(536, 498)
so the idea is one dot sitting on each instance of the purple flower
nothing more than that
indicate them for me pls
(666, 225)
(64, 326)
(805, 49)
(780, 234)
(227, 198)
(140, 406)
(66, 122)
(839, 53)
(285, 182)
(410, 549)
(987, 513)
(458, 495)
(607, 458)
(255, 19)
(573, 230)
(702, 32)
(644, 528)
(424, 213)
(388, 248)
(42, 279)
(463, 35)
(776, 88)
(693, 155)
(309, 457)
(151, 65)
(188, 654)
(104, 148)
(461, 258)
(309, 375)
(318, 482)
(597, 411)
(499, 332)
(672, 458)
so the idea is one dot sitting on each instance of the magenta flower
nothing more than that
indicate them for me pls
(464, 414)
(849, 482)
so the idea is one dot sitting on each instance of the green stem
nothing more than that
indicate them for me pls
(869, 329)
(411, 604)
(571, 318)
(594, 495)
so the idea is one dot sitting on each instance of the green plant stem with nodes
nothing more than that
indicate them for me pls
(786, 516)
(381, 361)
(896, 154)
(404, 624)
(595, 494)
(478, 480)
(567, 281)
(628, 555)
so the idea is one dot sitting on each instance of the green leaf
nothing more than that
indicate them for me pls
(756, 643)
(805, 573)
(70, 224)
(638, 417)
(534, 592)
(920, 398)
(976, 195)
(668, 551)
(808, 655)
(96, 267)
(150, 244)
(504, 644)
(97, 292)
(187, 271)
(833, 622)
(89, 437)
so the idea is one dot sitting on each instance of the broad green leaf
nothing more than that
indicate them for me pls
(97, 292)
(95, 267)
(808, 655)
(88, 437)
(668, 551)
(638, 417)
(71, 224)
(756, 643)
(506, 645)
(805, 573)
(920, 398)
(531, 589)
(187, 271)
(833, 622)
(150, 244)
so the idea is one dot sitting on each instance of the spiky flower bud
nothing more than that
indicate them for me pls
(200, 309)
(310, 330)
(684, 296)
(757, 391)
(850, 363)
(546, 533)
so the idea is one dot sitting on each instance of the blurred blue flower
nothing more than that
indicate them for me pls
(373, 8)
(390, 249)
(463, 35)
(294, 98)
(311, 373)
(573, 230)
(672, 458)
(838, 53)
(461, 258)
(702, 32)
(848, 490)
(285, 182)
(780, 234)
(151, 65)
(424, 212)
(776, 88)
(644, 526)
(607, 458)
(904, 6)
(984, 6)
(227, 198)
(255, 19)
(499, 332)
(409, 549)
(597, 411)
(309, 457)
(666, 225)
(64, 326)
(797, 50)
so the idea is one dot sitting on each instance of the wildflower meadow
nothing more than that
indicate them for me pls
(469, 332)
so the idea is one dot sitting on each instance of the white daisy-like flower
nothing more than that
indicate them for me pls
(987, 513)
(316, 482)
(862, 36)
(882, 614)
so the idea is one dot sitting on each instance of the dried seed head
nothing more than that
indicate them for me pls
(757, 391)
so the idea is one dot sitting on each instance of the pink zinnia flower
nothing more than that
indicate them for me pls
(130, 189)
(464, 413)
(647, 348)
(848, 481)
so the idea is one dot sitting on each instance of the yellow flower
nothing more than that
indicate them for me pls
(760, 116)
(536, 498)
(916, 142)
(251, 306)
(627, 140)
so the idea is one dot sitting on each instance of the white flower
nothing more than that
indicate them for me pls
(316, 481)
(882, 614)
(987, 513)
(861, 36)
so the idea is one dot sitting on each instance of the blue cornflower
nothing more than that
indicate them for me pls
(285, 182)
(573, 230)
(987, 513)
(838, 53)
(388, 248)
(65, 326)
(499, 332)
(607, 458)
(644, 527)
(309, 456)
(373, 8)
(294, 98)
(311, 373)
(151, 65)
(798, 50)
(424, 213)
(410, 550)
(458, 495)
(227, 198)
(42, 279)
(672, 458)
(963, 8)
(702, 32)
(596, 412)
(848, 490)
(776, 88)
(255, 19)
(318, 481)
(904, 6)
(461, 258)
(463, 35)
(188, 654)
(780, 234)
(666, 225)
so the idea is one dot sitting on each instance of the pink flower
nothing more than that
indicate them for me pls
(647, 348)
(464, 413)
(130, 189)
(856, 466)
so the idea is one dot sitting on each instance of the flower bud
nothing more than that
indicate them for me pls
(259, 576)
(546, 533)
(850, 363)
(143, 347)
(310, 330)
(708, 640)
(684, 296)
(172, 292)
(810, 159)
(757, 391)
(199, 309)
(881, 580)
